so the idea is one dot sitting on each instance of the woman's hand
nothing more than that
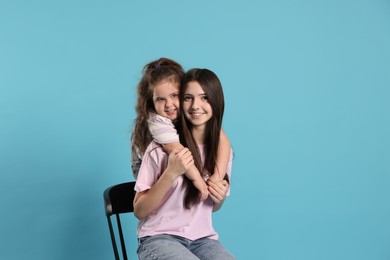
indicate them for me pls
(180, 161)
(218, 190)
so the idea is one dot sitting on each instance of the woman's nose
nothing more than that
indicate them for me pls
(195, 104)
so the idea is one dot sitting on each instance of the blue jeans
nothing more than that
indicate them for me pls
(171, 247)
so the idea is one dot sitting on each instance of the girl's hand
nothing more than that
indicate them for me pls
(180, 161)
(218, 190)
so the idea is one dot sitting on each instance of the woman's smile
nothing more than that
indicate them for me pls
(196, 114)
(196, 106)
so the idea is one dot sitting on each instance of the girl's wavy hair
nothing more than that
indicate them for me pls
(153, 73)
(212, 87)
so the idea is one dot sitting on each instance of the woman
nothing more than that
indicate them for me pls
(157, 109)
(174, 224)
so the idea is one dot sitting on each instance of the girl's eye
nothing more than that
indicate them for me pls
(175, 95)
(187, 98)
(205, 98)
(159, 99)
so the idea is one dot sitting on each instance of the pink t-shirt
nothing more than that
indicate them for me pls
(172, 217)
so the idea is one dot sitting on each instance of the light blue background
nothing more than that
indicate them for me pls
(307, 111)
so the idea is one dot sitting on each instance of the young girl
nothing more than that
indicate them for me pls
(173, 224)
(157, 106)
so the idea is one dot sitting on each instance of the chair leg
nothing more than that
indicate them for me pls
(118, 220)
(113, 238)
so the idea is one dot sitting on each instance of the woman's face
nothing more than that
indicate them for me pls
(196, 106)
(166, 99)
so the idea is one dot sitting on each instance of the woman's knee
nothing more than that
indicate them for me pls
(163, 247)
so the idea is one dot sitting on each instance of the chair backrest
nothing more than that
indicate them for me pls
(118, 199)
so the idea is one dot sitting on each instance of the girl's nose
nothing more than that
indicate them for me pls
(168, 103)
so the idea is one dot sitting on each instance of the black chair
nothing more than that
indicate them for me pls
(118, 199)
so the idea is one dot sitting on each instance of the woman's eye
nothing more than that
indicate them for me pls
(175, 95)
(187, 98)
(205, 98)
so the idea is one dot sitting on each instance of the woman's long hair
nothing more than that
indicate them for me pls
(154, 73)
(212, 87)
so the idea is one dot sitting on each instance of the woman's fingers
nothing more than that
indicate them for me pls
(218, 190)
(218, 186)
(185, 157)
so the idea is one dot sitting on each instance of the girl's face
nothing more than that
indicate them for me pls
(166, 99)
(196, 106)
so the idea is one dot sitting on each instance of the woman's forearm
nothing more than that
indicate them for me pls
(218, 205)
(149, 200)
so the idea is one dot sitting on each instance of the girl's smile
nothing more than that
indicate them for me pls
(166, 99)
